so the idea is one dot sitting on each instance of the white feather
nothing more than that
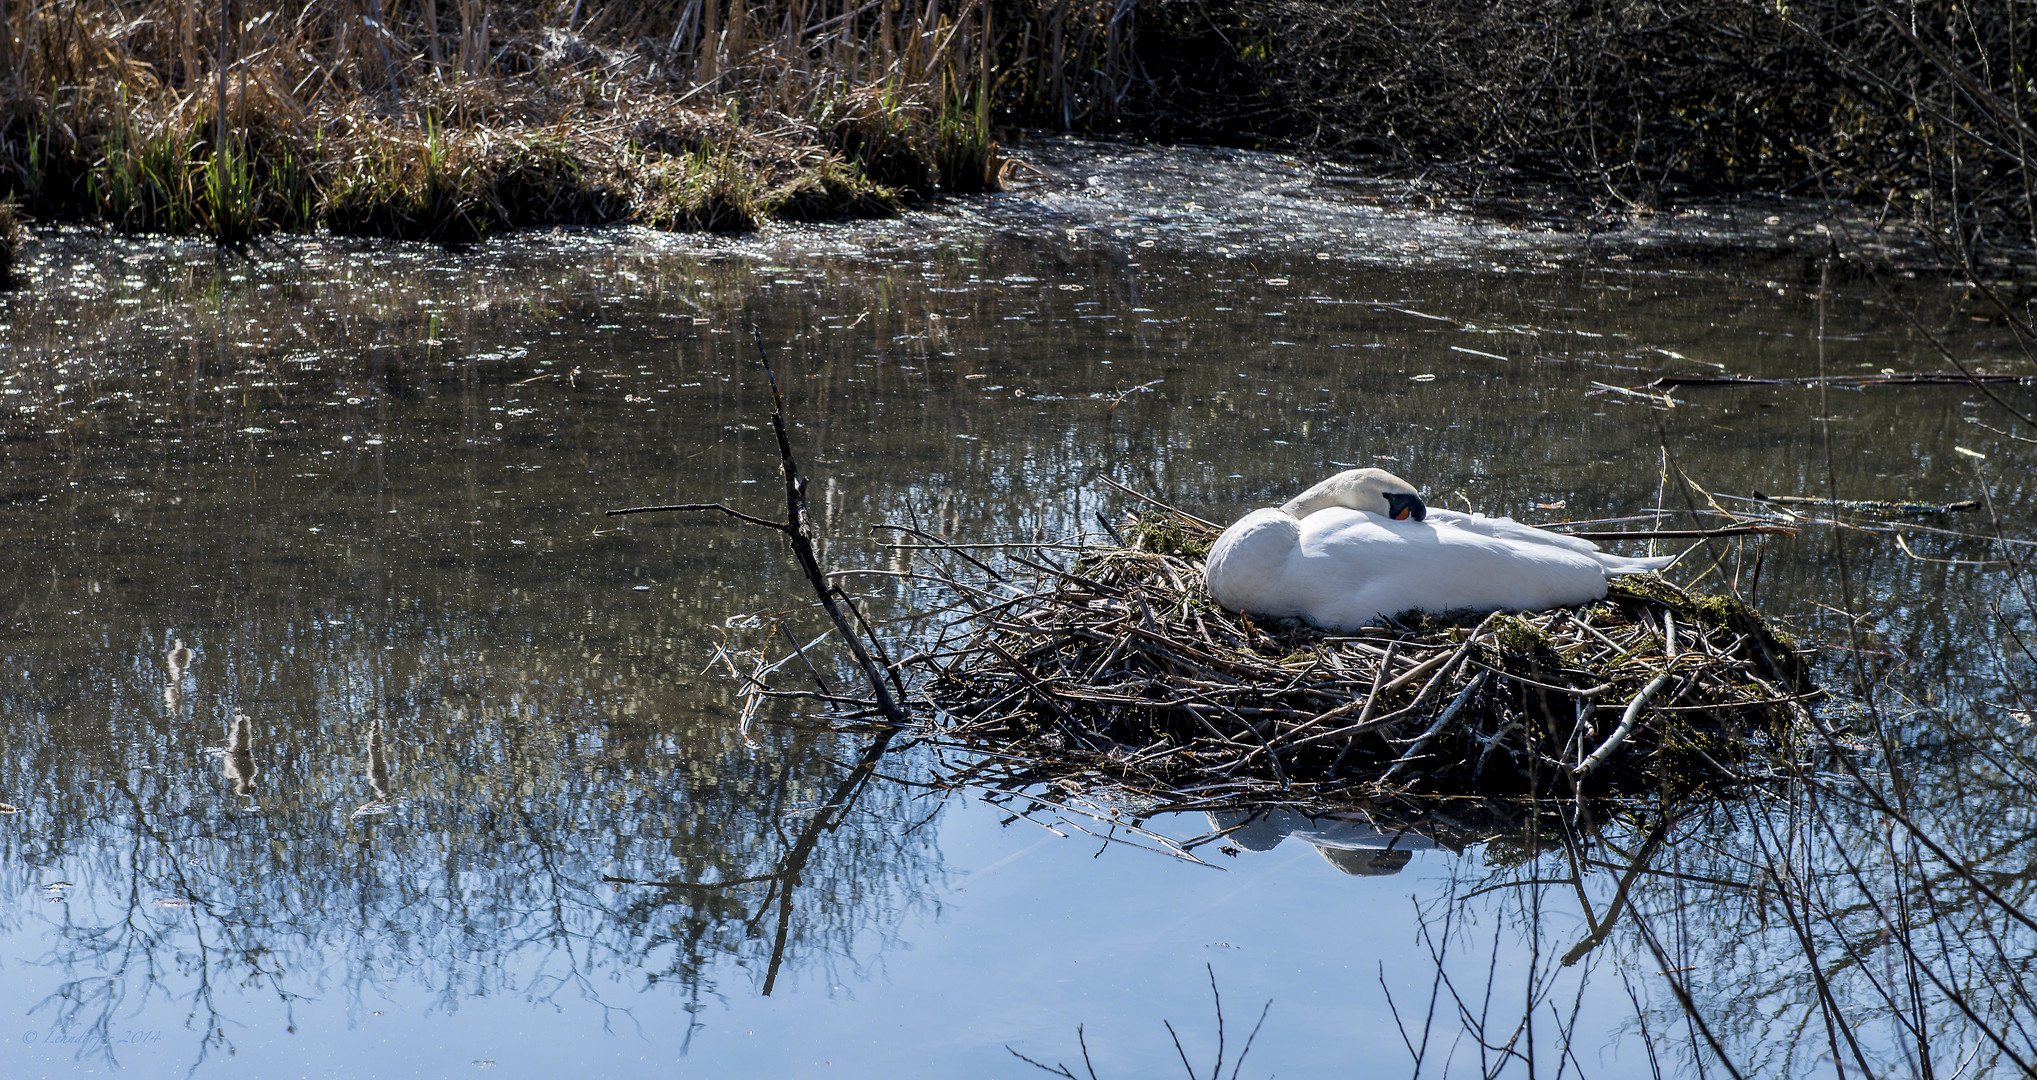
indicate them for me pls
(1342, 566)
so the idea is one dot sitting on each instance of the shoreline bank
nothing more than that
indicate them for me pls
(445, 120)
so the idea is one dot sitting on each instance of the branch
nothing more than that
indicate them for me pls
(730, 511)
(798, 528)
(1677, 534)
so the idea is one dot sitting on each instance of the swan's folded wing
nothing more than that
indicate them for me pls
(1506, 528)
(1527, 538)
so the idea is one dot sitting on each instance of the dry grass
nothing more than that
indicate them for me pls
(444, 119)
(112, 109)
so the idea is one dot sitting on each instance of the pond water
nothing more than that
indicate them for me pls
(355, 493)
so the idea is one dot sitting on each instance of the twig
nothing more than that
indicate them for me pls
(1148, 499)
(1442, 721)
(1621, 733)
(1682, 534)
(798, 530)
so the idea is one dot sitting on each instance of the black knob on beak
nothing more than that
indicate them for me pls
(1403, 506)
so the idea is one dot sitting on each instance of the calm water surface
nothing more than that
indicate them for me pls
(354, 493)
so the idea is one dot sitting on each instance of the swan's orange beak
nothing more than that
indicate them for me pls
(1401, 507)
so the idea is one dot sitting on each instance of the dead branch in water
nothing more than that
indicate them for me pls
(1871, 506)
(798, 529)
(1680, 534)
(1850, 382)
(840, 607)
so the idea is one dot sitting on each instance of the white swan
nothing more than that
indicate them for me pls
(1362, 545)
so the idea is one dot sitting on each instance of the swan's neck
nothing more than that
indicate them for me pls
(1302, 506)
(1356, 489)
(1320, 497)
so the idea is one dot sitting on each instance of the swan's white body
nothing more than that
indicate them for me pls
(1360, 546)
(1349, 842)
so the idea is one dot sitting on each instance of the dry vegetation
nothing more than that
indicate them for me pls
(1919, 110)
(442, 120)
(445, 118)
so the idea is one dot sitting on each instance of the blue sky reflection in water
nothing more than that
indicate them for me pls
(362, 486)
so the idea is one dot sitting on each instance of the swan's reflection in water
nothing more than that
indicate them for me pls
(1352, 843)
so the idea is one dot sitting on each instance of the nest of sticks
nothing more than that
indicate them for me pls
(1118, 662)
(1119, 666)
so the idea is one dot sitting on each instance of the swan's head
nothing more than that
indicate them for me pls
(1373, 490)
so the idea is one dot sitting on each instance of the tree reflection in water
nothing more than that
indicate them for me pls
(490, 871)
(377, 761)
(1791, 933)
(349, 493)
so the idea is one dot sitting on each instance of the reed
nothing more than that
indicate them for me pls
(709, 190)
(444, 120)
(427, 187)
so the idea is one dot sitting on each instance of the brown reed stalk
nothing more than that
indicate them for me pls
(430, 30)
